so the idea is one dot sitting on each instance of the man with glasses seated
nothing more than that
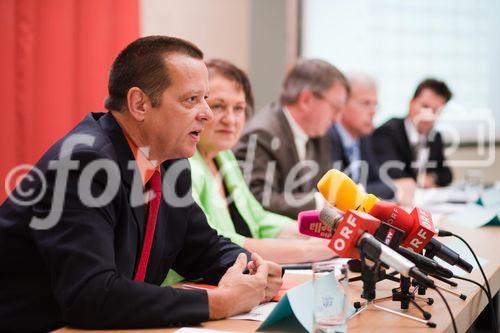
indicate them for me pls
(283, 150)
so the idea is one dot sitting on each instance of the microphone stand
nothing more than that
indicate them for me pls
(392, 236)
(407, 297)
(422, 289)
(355, 266)
(370, 276)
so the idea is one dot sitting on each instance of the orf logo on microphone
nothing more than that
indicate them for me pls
(353, 224)
(422, 232)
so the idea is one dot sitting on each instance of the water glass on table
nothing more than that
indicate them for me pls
(330, 281)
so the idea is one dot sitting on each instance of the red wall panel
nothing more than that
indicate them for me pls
(55, 62)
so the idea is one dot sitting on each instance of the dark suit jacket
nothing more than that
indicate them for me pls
(80, 272)
(391, 143)
(269, 141)
(373, 183)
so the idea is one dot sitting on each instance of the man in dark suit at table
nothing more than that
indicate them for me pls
(284, 150)
(352, 149)
(88, 242)
(412, 144)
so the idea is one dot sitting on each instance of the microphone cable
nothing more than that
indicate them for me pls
(490, 301)
(449, 309)
(445, 233)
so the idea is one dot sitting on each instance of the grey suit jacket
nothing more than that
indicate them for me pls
(270, 162)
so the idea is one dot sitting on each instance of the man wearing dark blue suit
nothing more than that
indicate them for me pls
(351, 147)
(90, 240)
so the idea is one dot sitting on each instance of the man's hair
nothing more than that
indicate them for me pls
(141, 64)
(310, 74)
(234, 74)
(438, 87)
(361, 79)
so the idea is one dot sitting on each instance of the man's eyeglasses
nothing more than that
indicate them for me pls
(366, 104)
(333, 106)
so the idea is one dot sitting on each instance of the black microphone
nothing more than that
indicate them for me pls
(438, 249)
(392, 236)
(375, 250)
(425, 264)
(399, 218)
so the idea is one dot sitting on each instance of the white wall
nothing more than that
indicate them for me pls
(221, 28)
(260, 36)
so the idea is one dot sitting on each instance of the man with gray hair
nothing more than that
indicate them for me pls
(284, 150)
(351, 147)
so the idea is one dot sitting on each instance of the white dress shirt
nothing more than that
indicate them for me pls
(300, 139)
(299, 135)
(418, 142)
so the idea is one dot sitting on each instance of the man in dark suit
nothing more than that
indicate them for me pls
(283, 149)
(84, 244)
(351, 146)
(411, 146)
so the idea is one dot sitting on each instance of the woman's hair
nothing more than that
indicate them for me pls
(232, 73)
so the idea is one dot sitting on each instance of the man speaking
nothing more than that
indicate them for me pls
(90, 233)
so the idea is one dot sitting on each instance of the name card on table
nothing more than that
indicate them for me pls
(294, 312)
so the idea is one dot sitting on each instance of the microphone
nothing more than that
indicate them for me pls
(343, 193)
(324, 223)
(417, 225)
(425, 264)
(376, 250)
(319, 223)
(420, 236)
(353, 235)
(348, 231)
(310, 224)
(331, 216)
(443, 252)
(392, 237)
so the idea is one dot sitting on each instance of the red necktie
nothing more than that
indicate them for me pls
(153, 206)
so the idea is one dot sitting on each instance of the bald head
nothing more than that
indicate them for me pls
(357, 116)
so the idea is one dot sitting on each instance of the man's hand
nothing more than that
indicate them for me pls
(429, 181)
(405, 190)
(237, 292)
(274, 279)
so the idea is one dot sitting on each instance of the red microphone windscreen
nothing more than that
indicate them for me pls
(353, 225)
(423, 230)
(417, 226)
(392, 214)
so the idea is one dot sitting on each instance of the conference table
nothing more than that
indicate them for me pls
(486, 243)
